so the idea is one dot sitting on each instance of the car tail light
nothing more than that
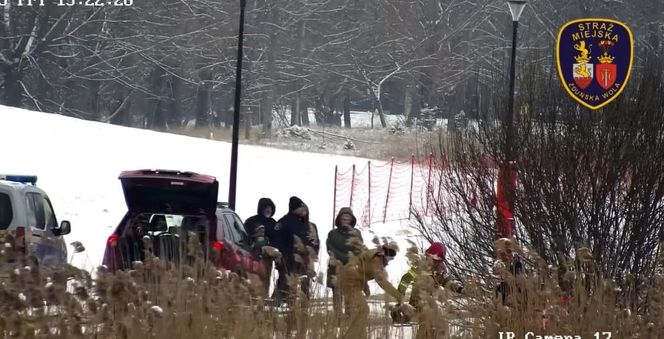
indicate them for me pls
(218, 245)
(19, 241)
(113, 240)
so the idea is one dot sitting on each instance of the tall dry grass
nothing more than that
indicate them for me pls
(378, 143)
(155, 299)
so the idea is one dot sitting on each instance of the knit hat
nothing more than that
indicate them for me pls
(295, 203)
(348, 211)
(436, 251)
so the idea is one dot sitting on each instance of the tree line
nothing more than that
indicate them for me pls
(159, 64)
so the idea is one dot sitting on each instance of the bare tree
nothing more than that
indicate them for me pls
(583, 181)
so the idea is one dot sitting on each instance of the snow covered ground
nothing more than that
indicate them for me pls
(78, 163)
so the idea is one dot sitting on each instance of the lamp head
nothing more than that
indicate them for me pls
(516, 8)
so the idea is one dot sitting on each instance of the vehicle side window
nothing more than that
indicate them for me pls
(222, 226)
(35, 209)
(231, 229)
(51, 221)
(6, 212)
(236, 229)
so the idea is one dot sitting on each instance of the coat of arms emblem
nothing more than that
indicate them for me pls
(594, 58)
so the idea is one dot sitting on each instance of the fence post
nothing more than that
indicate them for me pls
(412, 177)
(369, 193)
(389, 182)
(334, 203)
(352, 187)
(429, 194)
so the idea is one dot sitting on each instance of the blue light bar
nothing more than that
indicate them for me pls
(25, 179)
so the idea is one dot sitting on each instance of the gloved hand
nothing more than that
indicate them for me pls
(398, 317)
(271, 252)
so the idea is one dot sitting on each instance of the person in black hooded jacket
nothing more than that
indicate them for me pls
(296, 261)
(252, 225)
(264, 216)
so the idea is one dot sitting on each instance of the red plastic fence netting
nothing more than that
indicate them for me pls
(393, 190)
(389, 191)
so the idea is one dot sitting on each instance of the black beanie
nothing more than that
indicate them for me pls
(295, 203)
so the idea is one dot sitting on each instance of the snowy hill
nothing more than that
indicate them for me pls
(78, 163)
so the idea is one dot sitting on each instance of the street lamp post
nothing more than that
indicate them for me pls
(516, 8)
(236, 113)
(507, 175)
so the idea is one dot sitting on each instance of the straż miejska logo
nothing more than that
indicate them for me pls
(594, 58)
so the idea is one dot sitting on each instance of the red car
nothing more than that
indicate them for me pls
(164, 208)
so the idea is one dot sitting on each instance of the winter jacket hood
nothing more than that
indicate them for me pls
(252, 223)
(265, 202)
(295, 203)
(342, 211)
(342, 242)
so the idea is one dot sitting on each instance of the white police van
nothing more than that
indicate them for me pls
(28, 219)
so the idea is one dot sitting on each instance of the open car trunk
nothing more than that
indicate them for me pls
(172, 192)
(167, 236)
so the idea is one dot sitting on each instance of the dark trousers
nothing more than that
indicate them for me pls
(281, 292)
(268, 276)
(502, 290)
(337, 302)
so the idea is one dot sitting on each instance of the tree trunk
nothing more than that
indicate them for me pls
(329, 114)
(295, 111)
(266, 112)
(121, 113)
(93, 99)
(246, 112)
(268, 97)
(379, 107)
(304, 115)
(13, 91)
(347, 123)
(157, 121)
(408, 104)
(203, 112)
(174, 115)
(319, 113)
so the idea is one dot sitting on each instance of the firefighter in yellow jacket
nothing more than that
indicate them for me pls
(426, 279)
(353, 277)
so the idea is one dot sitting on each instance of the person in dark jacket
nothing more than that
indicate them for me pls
(342, 241)
(299, 244)
(264, 216)
(260, 229)
(427, 276)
